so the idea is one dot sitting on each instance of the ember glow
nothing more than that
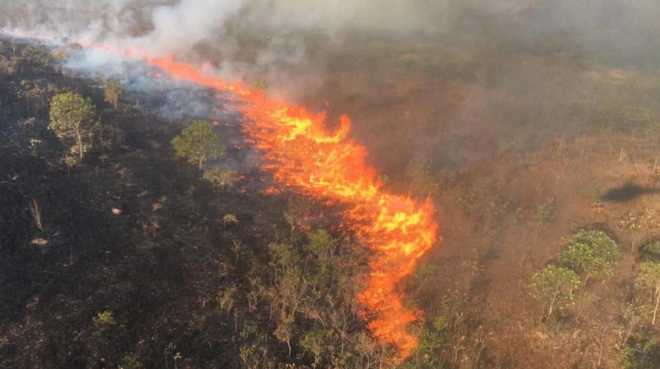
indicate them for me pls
(302, 154)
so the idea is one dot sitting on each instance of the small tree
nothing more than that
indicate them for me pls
(71, 115)
(197, 143)
(651, 251)
(545, 211)
(648, 288)
(554, 287)
(593, 253)
(37, 55)
(113, 92)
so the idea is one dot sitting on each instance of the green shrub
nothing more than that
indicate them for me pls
(592, 253)
(545, 211)
(104, 319)
(651, 251)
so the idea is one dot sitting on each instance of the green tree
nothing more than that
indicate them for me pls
(592, 253)
(432, 341)
(197, 143)
(37, 55)
(554, 287)
(651, 251)
(545, 211)
(647, 286)
(643, 350)
(113, 91)
(71, 115)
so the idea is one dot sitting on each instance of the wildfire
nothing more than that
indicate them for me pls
(302, 153)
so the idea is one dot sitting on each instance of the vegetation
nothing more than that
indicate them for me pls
(61, 53)
(545, 211)
(37, 56)
(104, 319)
(130, 262)
(72, 116)
(555, 288)
(198, 143)
(113, 91)
(651, 251)
(221, 177)
(591, 254)
(648, 289)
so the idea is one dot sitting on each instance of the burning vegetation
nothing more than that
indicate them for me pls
(293, 184)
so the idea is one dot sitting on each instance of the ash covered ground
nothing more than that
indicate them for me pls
(531, 127)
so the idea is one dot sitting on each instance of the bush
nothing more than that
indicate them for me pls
(651, 251)
(104, 319)
(545, 211)
(592, 253)
(37, 55)
(72, 116)
(197, 143)
(555, 288)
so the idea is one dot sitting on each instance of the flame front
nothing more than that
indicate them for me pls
(301, 153)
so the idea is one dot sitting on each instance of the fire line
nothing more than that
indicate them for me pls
(302, 153)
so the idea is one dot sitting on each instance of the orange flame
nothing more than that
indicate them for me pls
(301, 153)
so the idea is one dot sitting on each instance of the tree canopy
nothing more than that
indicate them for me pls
(592, 253)
(113, 92)
(648, 289)
(71, 115)
(554, 287)
(198, 143)
(37, 55)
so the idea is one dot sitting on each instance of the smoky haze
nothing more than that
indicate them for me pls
(616, 31)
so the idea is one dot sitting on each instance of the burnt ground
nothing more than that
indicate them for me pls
(520, 150)
(130, 231)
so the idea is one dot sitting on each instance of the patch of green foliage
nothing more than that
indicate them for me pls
(37, 55)
(130, 361)
(591, 254)
(647, 288)
(555, 288)
(104, 319)
(198, 143)
(651, 251)
(545, 211)
(72, 116)
(642, 351)
(112, 92)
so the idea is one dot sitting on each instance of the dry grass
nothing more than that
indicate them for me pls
(35, 212)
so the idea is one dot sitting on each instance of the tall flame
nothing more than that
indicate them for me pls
(302, 153)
